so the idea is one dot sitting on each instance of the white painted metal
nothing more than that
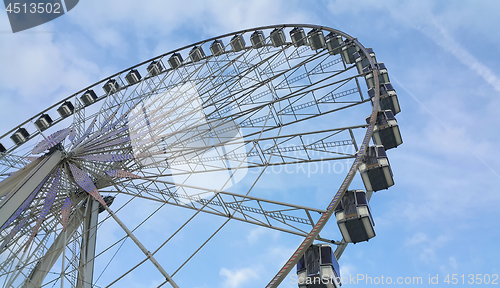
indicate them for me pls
(56, 249)
(87, 249)
(27, 185)
(143, 249)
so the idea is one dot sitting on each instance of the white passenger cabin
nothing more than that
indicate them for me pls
(375, 170)
(354, 218)
(318, 268)
(386, 130)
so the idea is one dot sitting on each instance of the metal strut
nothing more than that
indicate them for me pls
(46, 263)
(24, 183)
(87, 250)
(143, 249)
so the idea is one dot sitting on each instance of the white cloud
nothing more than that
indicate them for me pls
(417, 239)
(39, 69)
(449, 267)
(426, 246)
(161, 18)
(31, 69)
(256, 235)
(347, 270)
(453, 263)
(238, 277)
(40, 64)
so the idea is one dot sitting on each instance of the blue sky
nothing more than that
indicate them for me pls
(441, 216)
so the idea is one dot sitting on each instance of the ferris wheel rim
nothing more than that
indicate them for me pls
(361, 151)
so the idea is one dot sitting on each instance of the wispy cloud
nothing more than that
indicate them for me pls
(440, 35)
(428, 246)
(256, 235)
(238, 277)
(457, 133)
(419, 15)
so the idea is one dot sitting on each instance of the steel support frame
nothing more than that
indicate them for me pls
(27, 185)
(220, 206)
(46, 263)
(143, 248)
(87, 249)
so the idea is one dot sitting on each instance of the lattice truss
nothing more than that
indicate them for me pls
(198, 137)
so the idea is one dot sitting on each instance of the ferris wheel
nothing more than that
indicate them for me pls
(194, 131)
